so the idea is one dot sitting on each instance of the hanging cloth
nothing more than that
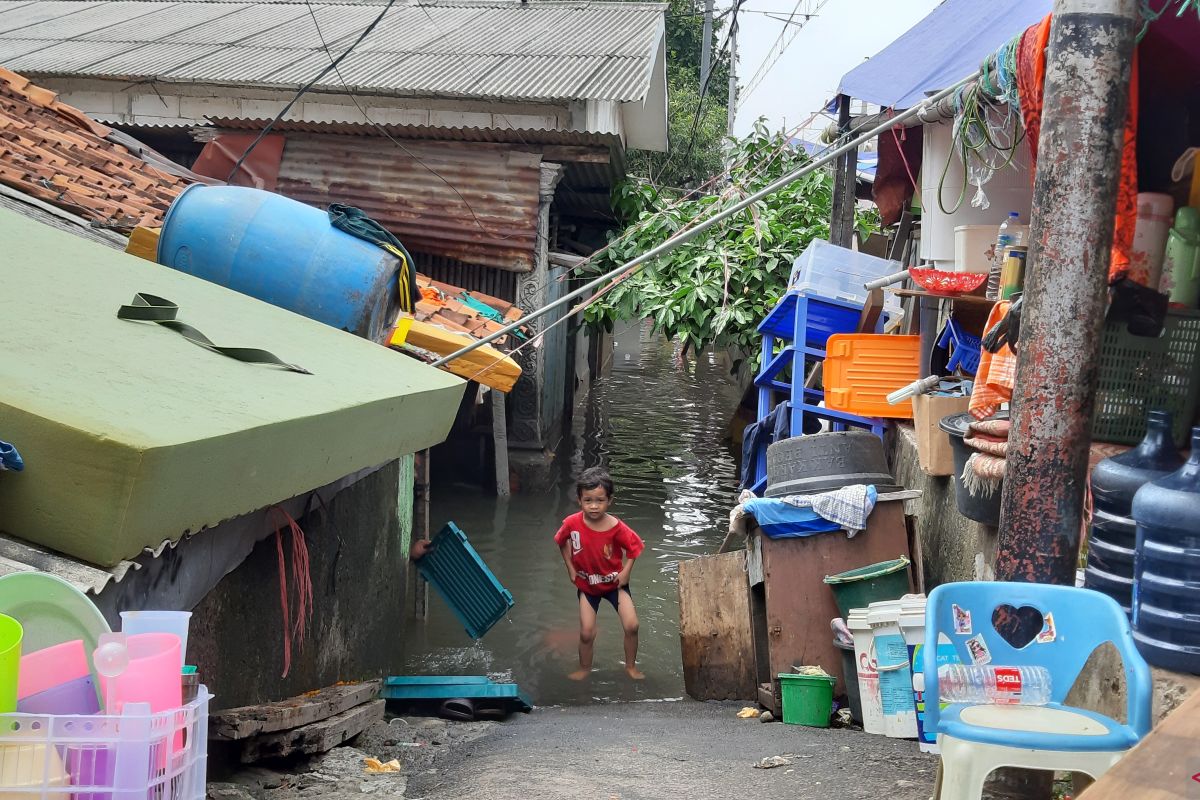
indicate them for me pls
(1031, 84)
(997, 372)
(355, 222)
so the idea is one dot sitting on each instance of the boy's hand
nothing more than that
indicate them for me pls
(420, 548)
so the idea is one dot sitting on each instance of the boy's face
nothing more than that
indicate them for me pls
(595, 503)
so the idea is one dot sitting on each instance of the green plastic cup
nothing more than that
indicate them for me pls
(11, 634)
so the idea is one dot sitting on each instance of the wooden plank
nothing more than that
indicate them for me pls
(241, 723)
(1164, 766)
(319, 737)
(714, 628)
(143, 243)
(500, 444)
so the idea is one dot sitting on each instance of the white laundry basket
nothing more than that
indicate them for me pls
(135, 756)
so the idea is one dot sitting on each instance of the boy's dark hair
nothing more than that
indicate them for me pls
(594, 477)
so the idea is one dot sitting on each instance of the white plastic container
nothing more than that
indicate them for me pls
(895, 672)
(972, 247)
(175, 622)
(1010, 189)
(1155, 214)
(868, 676)
(912, 628)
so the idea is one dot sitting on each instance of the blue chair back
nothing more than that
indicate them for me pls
(1083, 620)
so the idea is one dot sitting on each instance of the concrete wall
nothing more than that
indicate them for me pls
(357, 551)
(954, 548)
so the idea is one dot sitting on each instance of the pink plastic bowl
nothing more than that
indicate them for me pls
(53, 666)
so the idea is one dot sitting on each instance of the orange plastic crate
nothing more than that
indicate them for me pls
(862, 369)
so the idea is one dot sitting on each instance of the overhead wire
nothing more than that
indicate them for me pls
(772, 56)
(733, 23)
(304, 89)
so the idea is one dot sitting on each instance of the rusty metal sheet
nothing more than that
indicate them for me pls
(530, 136)
(477, 203)
(260, 170)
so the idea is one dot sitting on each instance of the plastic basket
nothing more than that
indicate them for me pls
(160, 756)
(1138, 374)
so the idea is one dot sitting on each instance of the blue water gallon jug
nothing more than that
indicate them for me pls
(282, 252)
(1115, 481)
(1166, 583)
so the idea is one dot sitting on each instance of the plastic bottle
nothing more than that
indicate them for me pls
(1115, 481)
(1010, 234)
(1025, 686)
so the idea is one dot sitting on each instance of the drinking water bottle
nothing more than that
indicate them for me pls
(1010, 235)
(1025, 686)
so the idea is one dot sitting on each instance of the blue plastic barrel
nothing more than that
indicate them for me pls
(1166, 577)
(284, 253)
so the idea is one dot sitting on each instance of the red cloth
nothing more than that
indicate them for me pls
(1031, 78)
(597, 556)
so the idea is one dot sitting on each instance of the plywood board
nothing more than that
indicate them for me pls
(714, 628)
(1165, 766)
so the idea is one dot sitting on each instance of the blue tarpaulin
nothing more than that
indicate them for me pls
(940, 50)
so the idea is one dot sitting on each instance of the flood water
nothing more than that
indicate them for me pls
(659, 426)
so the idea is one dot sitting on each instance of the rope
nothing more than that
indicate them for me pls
(301, 574)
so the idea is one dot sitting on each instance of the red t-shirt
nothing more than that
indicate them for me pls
(597, 555)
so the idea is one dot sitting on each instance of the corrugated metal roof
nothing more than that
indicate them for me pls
(540, 51)
(429, 132)
(474, 202)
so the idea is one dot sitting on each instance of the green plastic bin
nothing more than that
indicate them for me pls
(807, 699)
(858, 588)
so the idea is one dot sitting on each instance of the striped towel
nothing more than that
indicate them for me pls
(997, 372)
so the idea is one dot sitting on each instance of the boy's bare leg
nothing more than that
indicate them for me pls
(587, 639)
(629, 622)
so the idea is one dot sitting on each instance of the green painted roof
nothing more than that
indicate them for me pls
(132, 435)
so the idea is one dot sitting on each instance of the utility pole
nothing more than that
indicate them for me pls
(845, 180)
(733, 31)
(706, 44)
(1088, 65)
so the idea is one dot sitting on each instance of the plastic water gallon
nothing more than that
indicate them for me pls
(868, 676)
(1115, 481)
(1166, 581)
(895, 674)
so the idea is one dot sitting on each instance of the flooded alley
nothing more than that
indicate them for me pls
(659, 424)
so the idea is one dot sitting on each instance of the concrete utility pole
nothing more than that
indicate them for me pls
(706, 44)
(733, 31)
(1088, 64)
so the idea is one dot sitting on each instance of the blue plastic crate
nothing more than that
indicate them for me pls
(825, 318)
(459, 575)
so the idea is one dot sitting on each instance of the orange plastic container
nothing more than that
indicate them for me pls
(862, 369)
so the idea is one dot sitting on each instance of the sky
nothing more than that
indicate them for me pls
(837, 39)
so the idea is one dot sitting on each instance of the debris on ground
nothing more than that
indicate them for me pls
(375, 766)
(749, 712)
(771, 762)
(766, 716)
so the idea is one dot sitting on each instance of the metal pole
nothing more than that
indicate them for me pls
(706, 43)
(691, 233)
(845, 176)
(1088, 66)
(731, 108)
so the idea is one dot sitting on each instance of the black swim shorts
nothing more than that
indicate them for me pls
(612, 597)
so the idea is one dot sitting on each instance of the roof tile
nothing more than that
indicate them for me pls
(56, 152)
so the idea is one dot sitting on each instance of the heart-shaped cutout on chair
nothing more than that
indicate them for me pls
(1017, 626)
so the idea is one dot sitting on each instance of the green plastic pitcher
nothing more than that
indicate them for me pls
(1181, 264)
(11, 634)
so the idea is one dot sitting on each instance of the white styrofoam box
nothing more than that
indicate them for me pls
(1010, 189)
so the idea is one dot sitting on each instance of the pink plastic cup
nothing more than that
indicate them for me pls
(151, 677)
(53, 666)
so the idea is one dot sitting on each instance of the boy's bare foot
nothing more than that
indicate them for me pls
(579, 674)
(635, 673)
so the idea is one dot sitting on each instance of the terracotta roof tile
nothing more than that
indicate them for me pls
(57, 153)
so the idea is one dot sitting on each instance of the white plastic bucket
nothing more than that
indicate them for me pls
(895, 673)
(868, 677)
(972, 243)
(912, 628)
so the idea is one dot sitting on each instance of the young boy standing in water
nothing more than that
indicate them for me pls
(599, 551)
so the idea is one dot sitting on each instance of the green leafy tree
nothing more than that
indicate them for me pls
(716, 288)
(678, 166)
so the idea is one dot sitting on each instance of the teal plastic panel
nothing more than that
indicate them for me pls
(459, 575)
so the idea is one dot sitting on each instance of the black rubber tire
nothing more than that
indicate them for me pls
(824, 461)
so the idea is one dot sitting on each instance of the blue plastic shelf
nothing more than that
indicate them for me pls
(825, 317)
(459, 575)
